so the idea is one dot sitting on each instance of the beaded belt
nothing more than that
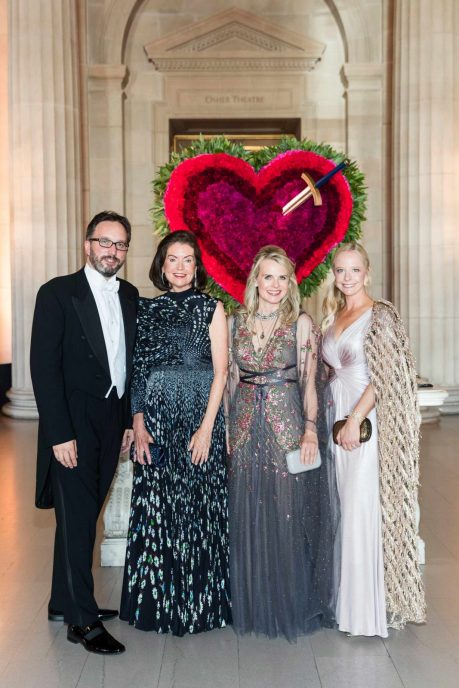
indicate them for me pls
(261, 392)
(248, 379)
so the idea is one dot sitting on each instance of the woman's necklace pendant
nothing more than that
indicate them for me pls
(262, 336)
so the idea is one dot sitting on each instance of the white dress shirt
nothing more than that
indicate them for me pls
(105, 292)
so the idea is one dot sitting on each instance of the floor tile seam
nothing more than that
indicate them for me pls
(440, 495)
(3, 672)
(351, 655)
(387, 658)
(402, 682)
(317, 668)
(440, 541)
(397, 672)
(55, 637)
(113, 586)
(12, 655)
(445, 655)
(82, 669)
(238, 663)
(432, 604)
(161, 665)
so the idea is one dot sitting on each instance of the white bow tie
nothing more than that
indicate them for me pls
(111, 286)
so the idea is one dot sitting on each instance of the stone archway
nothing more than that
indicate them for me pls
(353, 18)
(173, 89)
(363, 78)
(118, 18)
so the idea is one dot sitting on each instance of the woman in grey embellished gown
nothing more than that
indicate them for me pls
(176, 577)
(281, 525)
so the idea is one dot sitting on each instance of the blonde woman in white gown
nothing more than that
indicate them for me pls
(372, 375)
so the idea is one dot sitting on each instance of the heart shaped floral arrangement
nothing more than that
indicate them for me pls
(232, 201)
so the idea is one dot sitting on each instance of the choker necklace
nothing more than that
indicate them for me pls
(269, 316)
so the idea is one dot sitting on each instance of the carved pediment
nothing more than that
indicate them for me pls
(234, 40)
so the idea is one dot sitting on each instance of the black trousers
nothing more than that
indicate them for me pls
(79, 495)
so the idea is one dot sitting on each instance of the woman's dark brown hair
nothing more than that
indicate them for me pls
(180, 237)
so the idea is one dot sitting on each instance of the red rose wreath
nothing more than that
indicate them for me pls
(232, 201)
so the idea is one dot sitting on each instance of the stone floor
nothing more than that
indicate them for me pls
(36, 654)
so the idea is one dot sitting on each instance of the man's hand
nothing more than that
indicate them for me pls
(66, 453)
(128, 439)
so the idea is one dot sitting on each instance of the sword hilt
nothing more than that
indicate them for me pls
(303, 196)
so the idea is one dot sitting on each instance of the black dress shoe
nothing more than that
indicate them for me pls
(103, 615)
(95, 638)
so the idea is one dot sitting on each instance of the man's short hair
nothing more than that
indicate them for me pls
(110, 216)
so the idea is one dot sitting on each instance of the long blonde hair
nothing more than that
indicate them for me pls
(334, 299)
(290, 305)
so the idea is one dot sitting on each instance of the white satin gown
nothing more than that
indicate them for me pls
(361, 607)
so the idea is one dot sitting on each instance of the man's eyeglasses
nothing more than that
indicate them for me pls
(108, 243)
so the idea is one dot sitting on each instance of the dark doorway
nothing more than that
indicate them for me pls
(251, 133)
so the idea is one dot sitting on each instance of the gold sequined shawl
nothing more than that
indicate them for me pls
(392, 374)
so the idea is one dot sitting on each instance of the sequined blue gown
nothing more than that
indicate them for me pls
(176, 576)
(281, 526)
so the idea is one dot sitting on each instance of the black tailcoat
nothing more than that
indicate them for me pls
(68, 355)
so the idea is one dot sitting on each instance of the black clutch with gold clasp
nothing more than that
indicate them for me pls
(365, 429)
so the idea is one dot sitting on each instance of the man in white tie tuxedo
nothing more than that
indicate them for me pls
(81, 356)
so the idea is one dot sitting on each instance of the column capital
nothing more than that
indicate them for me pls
(108, 72)
(362, 76)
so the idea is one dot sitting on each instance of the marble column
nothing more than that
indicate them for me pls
(106, 141)
(106, 169)
(106, 136)
(426, 186)
(45, 176)
(5, 277)
(365, 143)
(363, 84)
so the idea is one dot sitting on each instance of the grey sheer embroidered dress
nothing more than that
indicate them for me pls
(281, 528)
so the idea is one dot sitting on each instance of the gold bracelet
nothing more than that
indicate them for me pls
(357, 415)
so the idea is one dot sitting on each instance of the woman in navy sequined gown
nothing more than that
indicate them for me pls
(176, 576)
(281, 525)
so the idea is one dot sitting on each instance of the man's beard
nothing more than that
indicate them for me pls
(104, 268)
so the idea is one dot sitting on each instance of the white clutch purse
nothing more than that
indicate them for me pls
(294, 464)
